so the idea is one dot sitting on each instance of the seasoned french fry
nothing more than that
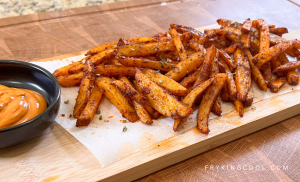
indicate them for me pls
(217, 109)
(208, 100)
(279, 31)
(90, 109)
(183, 29)
(159, 99)
(230, 62)
(267, 73)
(246, 27)
(245, 39)
(111, 70)
(117, 99)
(85, 89)
(206, 67)
(167, 55)
(231, 86)
(186, 37)
(263, 34)
(178, 44)
(145, 63)
(225, 93)
(165, 82)
(70, 80)
(230, 23)
(233, 34)
(294, 52)
(239, 107)
(196, 46)
(185, 67)
(256, 74)
(292, 77)
(277, 84)
(231, 49)
(290, 66)
(243, 75)
(249, 98)
(64, 70)
(275, 63)
(190, 79)
(138, 50)
(266, 56)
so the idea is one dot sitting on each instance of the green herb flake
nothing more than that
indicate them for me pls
(106, 120)
(100, 117)
(132, 43)
(124, 129)
(157, 71)
(66, 102)
(123, 57)
(140, 46)
(161, 81)
(162, 58)
(155, 48)
(172, 65)
(162, 64)
(98, 112)
(124, 121)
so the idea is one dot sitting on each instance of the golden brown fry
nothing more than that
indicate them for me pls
(165, 82)
(217, 109)
(64, 70)
(277, 84)
(256, 74)
(266, 56)
(290, 66)
(246, 27)
(231, 49)
(208, 100)
(145, 63)
(85, 89)
(91, 107)
(206, 67)
(230, 23)
(292, 77)
(245, 39)
(178, 44)
(243, 75)
(233, 34)
(116, 62)
(111, 70)
(159, 99)
(231, 86)
(70, 80)
(190, 99)
(117, 99)
(189, 80)
(267, 73)
(294, 52)
(167, 55)
(275, 63)
(249, 98)
(213, 32)
(263, 34)
(186, 37)
(239, 107)
(182, 29)
(185, 67)
(230, 62)
(254, 44)
(196, 46)
(279, 31)
(142, 113)
(225, 93)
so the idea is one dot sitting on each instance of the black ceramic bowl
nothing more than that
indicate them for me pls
(19, 74)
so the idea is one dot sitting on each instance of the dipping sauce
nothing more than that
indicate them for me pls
(19, 105)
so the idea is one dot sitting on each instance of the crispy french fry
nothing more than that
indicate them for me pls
(117, 99)
(292, 77)
(231, 49)
(254, 44)
(267, 73)
(213, 32)
(159, 99)
(290, 66)
(230, 62)
(138, 50)
(90, 109)
(279, 31)
(263, 34)
(196, 46)
(190, 99)
(217, 109)
(64, 70)
(266, 56)
(115, 62)
(202, 39)
(206, 67)
(249, 98)
(275, 63)
(246, 27)
(230, 23)
(186, 37)
(225, 93)
(185, 67)
(178, 44)
(168, 55)
(70, 80)
(231, 86)
(233, 34)
(165, 82)
(245, 39)
(183, 29)
(243, 75)
(145, 63)
(208, 100)
(177, 122)
(239, 107)
(256, 74)
(277, 84)
(190, 79)
(294, 52)
(111, 70)
(85, 89)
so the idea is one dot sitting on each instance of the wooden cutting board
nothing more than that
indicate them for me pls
(58, 156)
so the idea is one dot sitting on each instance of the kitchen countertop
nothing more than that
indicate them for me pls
(49, 34)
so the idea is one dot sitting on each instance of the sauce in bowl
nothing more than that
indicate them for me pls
(19, 105)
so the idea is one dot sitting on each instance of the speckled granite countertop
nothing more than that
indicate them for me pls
(10, 8)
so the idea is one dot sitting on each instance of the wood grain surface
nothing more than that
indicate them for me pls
(35, 37)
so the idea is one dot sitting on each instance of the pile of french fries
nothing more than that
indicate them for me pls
(171, 73)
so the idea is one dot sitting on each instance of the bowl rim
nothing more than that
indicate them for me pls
(49, 75)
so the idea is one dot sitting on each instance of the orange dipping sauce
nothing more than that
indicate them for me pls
(19, 105)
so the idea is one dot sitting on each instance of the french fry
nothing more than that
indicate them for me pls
(165, 82)
(239, 107)
(277, 84)
(90, 109)
(139, 50)
(64, 70)
(266, 56)
(256, 74)
(279, 31)
(245, 39)
(230, 62)
(111, 70)
(159, 99)
(207, 102)
(70, 80)
(292, 77)
(267, 73)
(263, 34)
(254, 44)
(96, 60)
(186, 37)
(249, 98)
(217, 109)
(145, 63)
(116, 62)
(196, 46)
(290, 66)
(213, 32)
(85, 89)
(231, 49)
(206, 67)
(117, 99)
(178, 44)
(190, 79)
(185, 67)
(230, 23)
(246, 27)
(225, 93)
(275, 63)
(168, 55)
(182, 29)
(243, 75)
(231, 86)
(233, 34)
(294, 52)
